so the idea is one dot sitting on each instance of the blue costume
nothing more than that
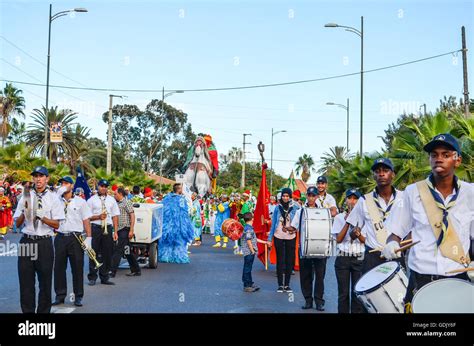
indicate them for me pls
(178, 230)
(197, 221)
(223, 213)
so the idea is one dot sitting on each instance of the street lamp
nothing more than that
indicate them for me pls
(359, 33)
(164, 96)
(347, 110)
(261, 149)
(51, 18)
(271, 159)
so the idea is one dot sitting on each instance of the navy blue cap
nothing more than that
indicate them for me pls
(322, 179)
(383, 161)
(41, 170)
(443, 139)
(103, 182)
(67, 179)
(353, 192)
(312, 190)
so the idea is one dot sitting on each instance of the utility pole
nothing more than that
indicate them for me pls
(242, 183)
(109, 136)
(464, 73)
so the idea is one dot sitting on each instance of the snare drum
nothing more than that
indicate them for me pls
(444, 296)
(382, 289)
(315, 237)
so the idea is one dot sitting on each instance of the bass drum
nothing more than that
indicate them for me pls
(315, 235)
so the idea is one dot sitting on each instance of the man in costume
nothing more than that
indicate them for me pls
(178, 230)
(196, 219)
(223, 213)
(5, 213)
(235, 208)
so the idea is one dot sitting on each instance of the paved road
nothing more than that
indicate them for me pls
(210, 283)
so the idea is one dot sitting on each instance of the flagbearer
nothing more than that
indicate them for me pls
(439, 211)
(67, 246)
(371, 211)
(41, 212)
(105, 211)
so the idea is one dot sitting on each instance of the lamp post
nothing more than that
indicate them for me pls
(347, 111)
(271, 159)
(359, 33)
(163, 97)
(109, 135)
(261, 149)
(51, 18)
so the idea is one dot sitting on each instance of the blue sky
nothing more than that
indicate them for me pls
(208, 44)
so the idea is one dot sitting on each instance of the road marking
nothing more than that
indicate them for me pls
(56, 310)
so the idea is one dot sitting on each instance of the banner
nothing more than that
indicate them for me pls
(56, 132)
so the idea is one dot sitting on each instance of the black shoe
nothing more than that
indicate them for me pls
(108, 282)
(280, 289)
(307, 306)
(288, 289)
(320, 307)
(78, 302)
(134, 274)
(112, 274)
(58, 301)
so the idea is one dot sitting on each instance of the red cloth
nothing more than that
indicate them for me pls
(261, 217)
(6, 219)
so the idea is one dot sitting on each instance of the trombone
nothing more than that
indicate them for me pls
(90, 252)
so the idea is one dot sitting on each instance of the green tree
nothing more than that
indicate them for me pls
(331, 160)
(305, 165)
(17, 132)
(11, 104)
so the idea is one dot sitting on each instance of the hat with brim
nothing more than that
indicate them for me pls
(443, 139)
(40, 170)
(383, 161)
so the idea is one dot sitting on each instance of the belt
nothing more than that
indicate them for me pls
(348, 254)
(68, 234)
(429, 276)
(35, 237)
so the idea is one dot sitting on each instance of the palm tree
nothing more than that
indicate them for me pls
(71, 138)
(18, 160)
(17, 132)
(305, 165)
(331, 160)
(11, 104)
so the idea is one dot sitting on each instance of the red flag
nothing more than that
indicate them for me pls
(261, 220)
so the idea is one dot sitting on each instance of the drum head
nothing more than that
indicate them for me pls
(374, 278)
(445, 296)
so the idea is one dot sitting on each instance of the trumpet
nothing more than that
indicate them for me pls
(104, 221)
(90, 252)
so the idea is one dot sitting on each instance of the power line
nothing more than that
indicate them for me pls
(239, 87)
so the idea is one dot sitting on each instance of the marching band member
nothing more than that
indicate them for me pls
(312, 270)
(284, 239)
(325, 200)
(371, 211)
(41, 211)
(439, 212)
(105, 211)
(67, 247)
(348, 263)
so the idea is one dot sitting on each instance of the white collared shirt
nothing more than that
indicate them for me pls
(410, 216)
(347, 245)
(77, 212)
(360, 217)
(328, 201)
(52, 206)
(95, 204)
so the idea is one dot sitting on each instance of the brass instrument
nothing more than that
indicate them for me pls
(104, 221)
(90, 252)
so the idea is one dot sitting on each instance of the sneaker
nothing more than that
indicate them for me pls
(217, 245)
(235, 247)
(249, 289)
(255, 287)
(288, 289)
(224, 245)
(280, 289)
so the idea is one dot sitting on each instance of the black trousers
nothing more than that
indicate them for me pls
(417, 281)
(348, 272)
(103, 246)
(68, 248)
(123, 247)
(37, 259)
(313, 269)
(285, 251)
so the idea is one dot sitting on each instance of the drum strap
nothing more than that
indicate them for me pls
(450, 245)
(377, 221)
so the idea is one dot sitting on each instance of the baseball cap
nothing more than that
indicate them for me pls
(66, 179)
(312, 190)
(353, 192)
(103, 182)
(322, 179)
(40, 170)
(383, 161)
(443, 139)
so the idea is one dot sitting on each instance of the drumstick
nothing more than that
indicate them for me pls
(464, 270)
(401, 243)
(406, 246)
